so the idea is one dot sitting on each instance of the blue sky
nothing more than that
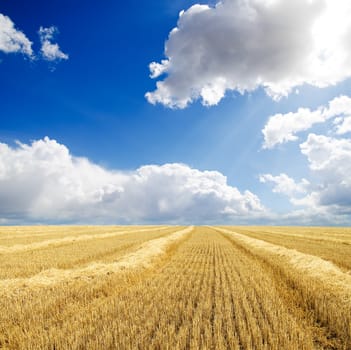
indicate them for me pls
(221, 85)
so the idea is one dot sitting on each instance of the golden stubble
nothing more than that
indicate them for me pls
(179, 288)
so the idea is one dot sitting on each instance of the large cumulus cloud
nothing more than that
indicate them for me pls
(245, 44)
(43, 182)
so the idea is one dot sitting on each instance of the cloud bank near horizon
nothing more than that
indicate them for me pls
(243, 45)
(43, 182)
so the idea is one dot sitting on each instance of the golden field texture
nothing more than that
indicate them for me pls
(168, 287)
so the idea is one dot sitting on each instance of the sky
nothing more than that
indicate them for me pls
(175, 112)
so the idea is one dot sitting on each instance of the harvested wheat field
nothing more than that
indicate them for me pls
(175, 287)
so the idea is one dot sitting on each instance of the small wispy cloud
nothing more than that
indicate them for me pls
(12, 40)
(50, 51)
(285, 185)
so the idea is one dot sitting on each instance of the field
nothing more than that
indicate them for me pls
(172, 287)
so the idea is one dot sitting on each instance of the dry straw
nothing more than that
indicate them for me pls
(66, 240)
(311, 265)
(142, 257)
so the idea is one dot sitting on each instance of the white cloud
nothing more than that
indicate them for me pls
(329, 196)
(242, 45)
(43, 181)
(50, 51)
(329, 156)
(285, 185)
(330, 159)
(309, 215)
(13, 40)
(343, 125)
(282, 128)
